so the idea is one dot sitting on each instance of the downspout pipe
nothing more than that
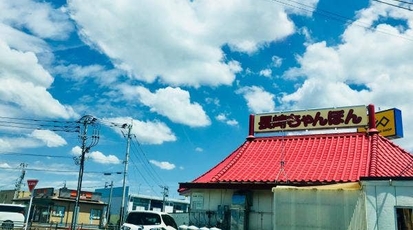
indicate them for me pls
(251, 136)
(372, 120)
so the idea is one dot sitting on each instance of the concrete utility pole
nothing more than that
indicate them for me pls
(109, 202)
(125, 172)
(19, 181)
(86, 120)
(165, 195)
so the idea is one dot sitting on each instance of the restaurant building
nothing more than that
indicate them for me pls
(338, 180)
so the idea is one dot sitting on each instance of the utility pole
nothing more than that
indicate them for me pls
(125, 172)
(19, 181)
(165, 195)
(109, 202)
(86, 120)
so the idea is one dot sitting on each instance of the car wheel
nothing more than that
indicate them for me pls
(8, 224)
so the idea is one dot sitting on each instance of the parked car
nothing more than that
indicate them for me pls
(12, 216)
(149, 220)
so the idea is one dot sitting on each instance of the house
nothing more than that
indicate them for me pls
(50, 207)
(352, 180)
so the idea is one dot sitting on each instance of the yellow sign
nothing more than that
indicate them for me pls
(388, 123)
(344, 117)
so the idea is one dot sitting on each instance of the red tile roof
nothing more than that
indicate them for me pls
(308, 159)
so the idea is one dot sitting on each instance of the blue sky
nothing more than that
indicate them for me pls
(186, 75)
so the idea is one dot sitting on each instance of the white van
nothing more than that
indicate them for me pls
(12, 216)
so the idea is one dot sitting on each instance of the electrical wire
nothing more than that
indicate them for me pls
(150, 169)
(143, 177)
(38, 124)
(35, 155)
(394, 5)
(55, 171)
(337, 17)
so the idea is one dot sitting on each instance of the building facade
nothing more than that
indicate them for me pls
(352, 180)
(51, 207)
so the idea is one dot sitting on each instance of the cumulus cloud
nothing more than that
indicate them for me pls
(146, 132)
(360, 71)
(223, 118)
(258, 100)
(180, 42)
(173, 103)
(99, 157)
(163, 164)
(199, 149)
(37, 138)
(96, 156)
(24, 85)
(50, 138)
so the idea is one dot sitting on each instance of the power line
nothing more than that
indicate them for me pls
(337, 17)
(38, 124)
(35, 155)
(151, 171)
(397, 6)
(56, 171)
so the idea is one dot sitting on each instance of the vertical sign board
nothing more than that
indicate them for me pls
(388, 123)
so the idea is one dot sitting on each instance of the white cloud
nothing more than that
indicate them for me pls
(179, 42)
(276, 61)
(24, 85)
(51, 139)
(146, 132)
(375, 69)
(38, 18)
(76, 151)
(80, 74)
(96, 156)
(163, 164)
(173, 103)
(258, 100)
(39, 138)
(199, 149)
(24, 80)
(5, 165)
(223, 118)
(266, 72)
(100, 158)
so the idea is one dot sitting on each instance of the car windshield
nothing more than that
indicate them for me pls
(169, 221)
(10, 208)
(142, 218)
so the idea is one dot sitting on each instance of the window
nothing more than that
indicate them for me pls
(95, 214)
(169, 221)
(12, 208)
(404, 218)
(58, 211)
(143, 218)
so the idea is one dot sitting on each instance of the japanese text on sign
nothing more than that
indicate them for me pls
(345, 117)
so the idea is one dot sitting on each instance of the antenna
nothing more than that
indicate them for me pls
(282, 160)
